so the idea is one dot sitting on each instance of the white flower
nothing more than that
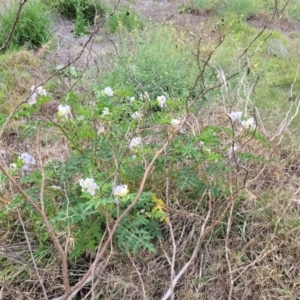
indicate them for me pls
(25, 168)
(55, 187)
(108, 91)
(131, 99)
(161, 101)
(13, 166)
(89, 185)
(38, 90)
(137, 115)
(27, 160)
(136, 141)
(41, 91)
(235, 115)
(32, 99)
(175, 122)
(105, 111)
(64, 110)
(101, 129)
(144, 96)
(206, 149)
(250, 123)
(120, 190)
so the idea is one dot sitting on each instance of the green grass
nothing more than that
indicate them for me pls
(83, 13)
(124, 18)
(246, 8)
(272, 59)
(70, 8)
(293, 10)
(33, 28)
(156, 60)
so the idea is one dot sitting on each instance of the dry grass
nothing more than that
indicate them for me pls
(17, 71)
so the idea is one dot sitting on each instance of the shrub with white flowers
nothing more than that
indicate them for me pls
(105, 111)
(162, 101)
(39, 91)
(32, 99)
(64, 110)
(175, 122)
(108, 91)
(120, 190)
(13, 166)
(36, 91)
(26, 160)
(88, 185)
(235, 116)
(135, 142)
(250, 123)
(137, 115)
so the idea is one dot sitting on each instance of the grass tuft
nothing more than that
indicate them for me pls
(33, 28)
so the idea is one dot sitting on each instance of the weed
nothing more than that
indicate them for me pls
(70, 9)
(80, 21)
(125, 18)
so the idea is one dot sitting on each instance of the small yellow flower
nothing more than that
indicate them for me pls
(161, 207)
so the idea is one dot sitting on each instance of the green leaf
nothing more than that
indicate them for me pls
(262, 139)
(209, 136)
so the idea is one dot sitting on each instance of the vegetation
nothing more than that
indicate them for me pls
(33, 28)
(71, 8)
(165, 154)
(124, 18)
(245, 8)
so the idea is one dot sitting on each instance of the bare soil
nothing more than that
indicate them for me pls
(282, 24)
